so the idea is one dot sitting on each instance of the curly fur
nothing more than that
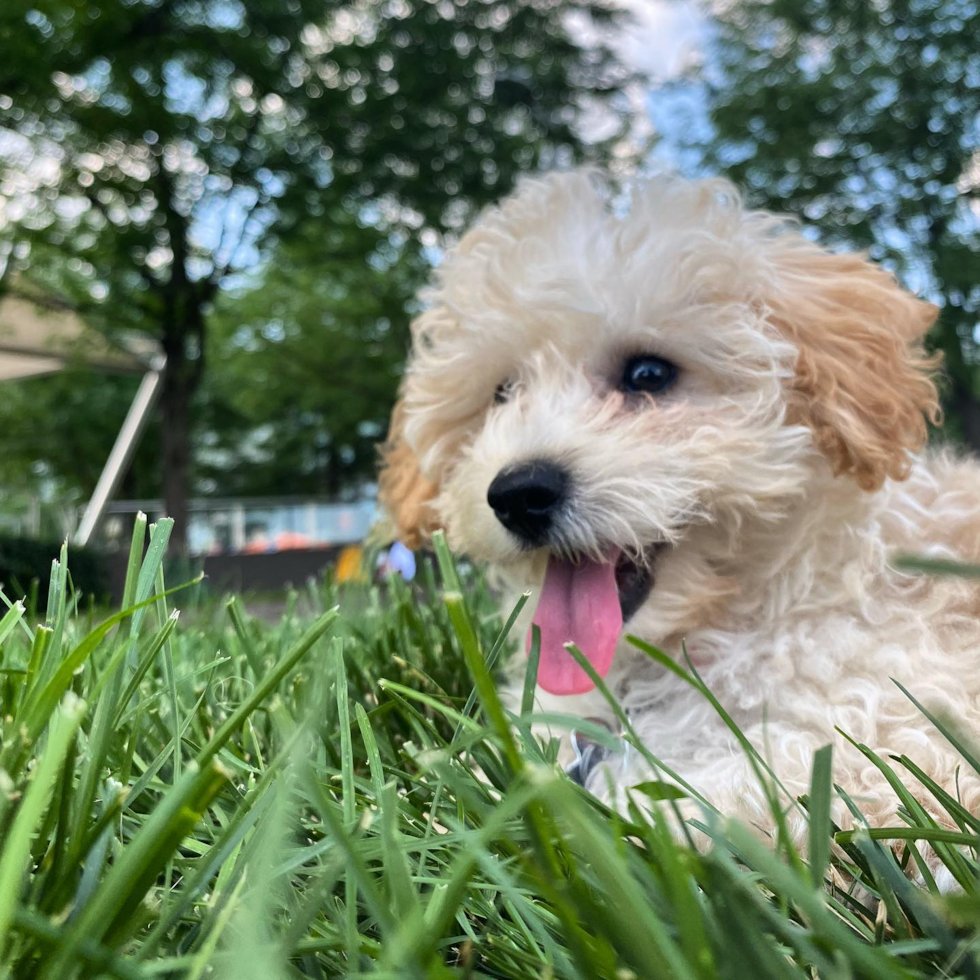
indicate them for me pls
(784, 470)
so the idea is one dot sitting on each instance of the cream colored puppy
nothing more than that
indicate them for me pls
(690, 423)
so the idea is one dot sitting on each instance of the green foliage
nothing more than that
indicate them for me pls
(332, 796)
(309, 363)
(861, 118)
(58, 430)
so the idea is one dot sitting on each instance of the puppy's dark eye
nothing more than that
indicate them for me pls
(649, 374)
(502, 392)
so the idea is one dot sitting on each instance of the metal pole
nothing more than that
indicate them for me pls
(122, 451)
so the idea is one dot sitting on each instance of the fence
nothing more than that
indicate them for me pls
(258, 525)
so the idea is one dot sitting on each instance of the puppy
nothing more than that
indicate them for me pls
(684, 420)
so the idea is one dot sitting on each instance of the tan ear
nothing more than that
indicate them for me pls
(403, 491)
(863, 382)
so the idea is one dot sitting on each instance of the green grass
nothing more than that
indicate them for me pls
(343, 794)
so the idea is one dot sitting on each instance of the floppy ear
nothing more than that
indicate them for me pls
(862, 381)
(402, 490)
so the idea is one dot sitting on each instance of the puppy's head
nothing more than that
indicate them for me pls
(604, 404)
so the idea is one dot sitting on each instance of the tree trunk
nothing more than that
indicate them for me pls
(175, 398)
(968, 414)
(182, 375)
(183, 321)
(960, 395)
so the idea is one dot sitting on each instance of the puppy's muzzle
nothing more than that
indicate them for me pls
(528, 498)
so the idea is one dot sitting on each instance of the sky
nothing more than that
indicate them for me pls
(664, 37)
(659, 40)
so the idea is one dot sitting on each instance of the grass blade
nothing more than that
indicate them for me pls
(17, 843)
(818, 809)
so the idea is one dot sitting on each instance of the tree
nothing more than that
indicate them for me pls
(309, 364)
(861, 117)
(157, 149)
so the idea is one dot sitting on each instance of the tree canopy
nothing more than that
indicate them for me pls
(862, 118)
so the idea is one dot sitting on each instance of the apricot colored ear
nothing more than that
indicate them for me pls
(863, 383)
(403, 491)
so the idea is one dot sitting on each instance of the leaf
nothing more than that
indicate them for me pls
(658, 791)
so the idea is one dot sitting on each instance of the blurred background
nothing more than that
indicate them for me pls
(215, 216)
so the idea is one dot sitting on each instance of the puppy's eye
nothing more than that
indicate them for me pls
(648, 374)
(503, 392)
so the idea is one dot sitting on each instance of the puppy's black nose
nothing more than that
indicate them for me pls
(527, 499)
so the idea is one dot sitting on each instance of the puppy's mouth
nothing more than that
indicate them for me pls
(633, 583)
(586, 602)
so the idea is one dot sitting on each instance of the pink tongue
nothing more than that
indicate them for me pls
(579, 603)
